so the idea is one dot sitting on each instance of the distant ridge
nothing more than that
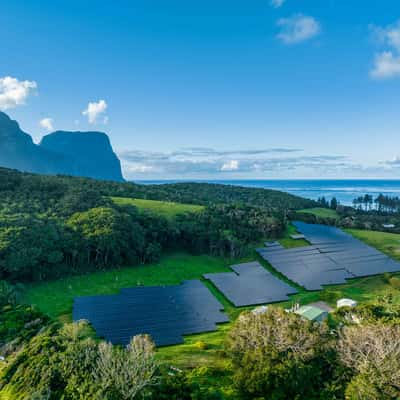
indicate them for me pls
(86, 154)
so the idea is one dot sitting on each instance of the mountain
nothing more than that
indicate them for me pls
(87, 154)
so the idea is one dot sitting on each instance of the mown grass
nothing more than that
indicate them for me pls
(288, 242)
(388, 243)
(164, 208)
(55, 298)
(321, 212)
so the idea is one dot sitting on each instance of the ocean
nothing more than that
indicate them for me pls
(344, 190)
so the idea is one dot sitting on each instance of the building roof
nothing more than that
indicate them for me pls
(346, 303)
(311, 312)
(297, 236)
(389, 225)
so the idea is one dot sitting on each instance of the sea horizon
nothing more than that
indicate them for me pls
(344, 190)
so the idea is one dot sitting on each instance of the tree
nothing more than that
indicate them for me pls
(107, 236)
(334, 203)
(372, 353)
(124, 373)
(278, 355)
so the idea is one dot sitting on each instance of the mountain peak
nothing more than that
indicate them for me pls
(87, 154)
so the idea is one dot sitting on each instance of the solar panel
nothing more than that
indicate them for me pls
(164, 312)
(333, 257)
(251, 284)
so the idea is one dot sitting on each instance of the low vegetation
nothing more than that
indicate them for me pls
(164, 208)
(321, 212)
(55, 297)
(388, 243)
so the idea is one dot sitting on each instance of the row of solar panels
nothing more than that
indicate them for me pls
(333, 257)
(251, 284)
(166, 313)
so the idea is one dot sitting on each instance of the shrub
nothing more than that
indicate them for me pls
(394, 282)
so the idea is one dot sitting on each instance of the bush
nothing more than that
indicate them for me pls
(201, 345)
(394, 282)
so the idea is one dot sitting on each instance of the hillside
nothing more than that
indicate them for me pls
(68, 225)
(69, 153)
(65, 237)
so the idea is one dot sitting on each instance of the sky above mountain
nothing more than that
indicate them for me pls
(212, 89)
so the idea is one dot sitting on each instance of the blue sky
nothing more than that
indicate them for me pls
(212, 89)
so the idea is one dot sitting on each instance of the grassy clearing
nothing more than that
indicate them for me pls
(388, 243)
(55, 298)
(164, 208)
(288, 242)
(321, 212)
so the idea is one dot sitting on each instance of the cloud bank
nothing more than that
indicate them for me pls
(192, 163)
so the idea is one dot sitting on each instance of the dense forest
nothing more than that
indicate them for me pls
(380, 213)
(51, 226)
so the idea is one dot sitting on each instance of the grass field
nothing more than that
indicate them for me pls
(288, 242)
(388, 243)
(321, 212)
(164, 208)
(55, 298)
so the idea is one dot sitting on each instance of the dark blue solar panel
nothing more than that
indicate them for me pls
(333, 257)
(164, 312)
(251, 284)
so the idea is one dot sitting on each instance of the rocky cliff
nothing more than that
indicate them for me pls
(87, 154)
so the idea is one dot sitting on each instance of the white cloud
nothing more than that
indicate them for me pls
(232, 165)
(388, 35)
(277, 3)
(47, 123)
(298, 28)
(14, 92)
(386, 65)
(95, 110)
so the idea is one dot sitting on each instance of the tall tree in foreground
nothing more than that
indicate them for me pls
(278, 355)
(372, 353)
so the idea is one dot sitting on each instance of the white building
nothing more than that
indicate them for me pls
(346, 303)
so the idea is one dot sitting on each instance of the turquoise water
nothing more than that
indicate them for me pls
(344, 190)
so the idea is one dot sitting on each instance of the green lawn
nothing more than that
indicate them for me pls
(164, 208)
(55, 298)
(321, 212)
(388, 243)
(288, 242)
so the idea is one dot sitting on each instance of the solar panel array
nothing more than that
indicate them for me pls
(333, 257)
(164, 312)
(251, 284)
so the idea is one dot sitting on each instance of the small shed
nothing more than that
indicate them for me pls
(312, 313)
(297, 236)
(346, 303)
